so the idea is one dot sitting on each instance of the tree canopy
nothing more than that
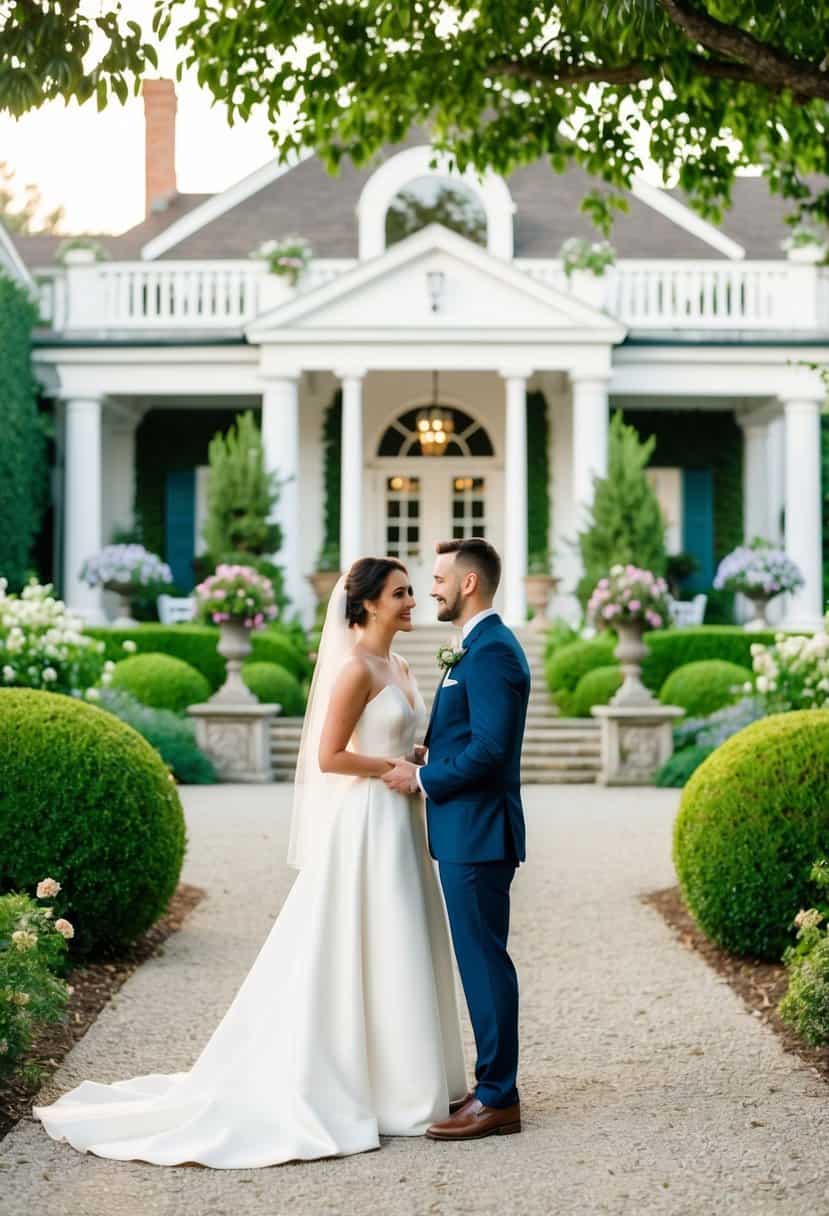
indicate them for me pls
(701, 87)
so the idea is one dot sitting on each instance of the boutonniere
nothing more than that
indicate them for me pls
(448, 656)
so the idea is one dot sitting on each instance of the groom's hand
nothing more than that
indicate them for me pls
(402, 777)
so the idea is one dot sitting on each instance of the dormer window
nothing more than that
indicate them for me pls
(434, 199)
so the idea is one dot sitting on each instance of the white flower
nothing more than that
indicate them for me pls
(92, 694)
(24, 939)
(47, 888)
(9, 674)
(49, 675)
(130, 646)
(64, 928)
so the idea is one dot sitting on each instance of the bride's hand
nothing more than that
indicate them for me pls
(417, 755)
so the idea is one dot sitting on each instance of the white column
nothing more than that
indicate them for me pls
(351, 474)
(280, 439)
(590, 426)
(776, 442)
(83, 536)
(515, 499)
(756, 502)
(803, 509)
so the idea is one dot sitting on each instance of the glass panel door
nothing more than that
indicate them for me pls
(468, 507)
(402, 524)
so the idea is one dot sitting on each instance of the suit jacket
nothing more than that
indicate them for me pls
(473, 778)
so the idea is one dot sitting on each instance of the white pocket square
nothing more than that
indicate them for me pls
(447, 682)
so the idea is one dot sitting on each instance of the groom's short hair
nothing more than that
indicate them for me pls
(475, 553)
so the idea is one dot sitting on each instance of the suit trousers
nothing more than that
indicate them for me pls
(477, 902)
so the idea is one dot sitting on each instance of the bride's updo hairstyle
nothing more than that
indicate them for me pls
(365, 581)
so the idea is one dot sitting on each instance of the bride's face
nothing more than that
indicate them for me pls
(395, 603)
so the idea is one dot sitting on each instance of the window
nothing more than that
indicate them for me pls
(403, 517)
(468, 507)
(436, 200)
(469, 438)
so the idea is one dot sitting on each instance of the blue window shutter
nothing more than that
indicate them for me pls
(180, 526)
(698, 525)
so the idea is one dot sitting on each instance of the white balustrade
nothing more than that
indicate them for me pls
(642, 294)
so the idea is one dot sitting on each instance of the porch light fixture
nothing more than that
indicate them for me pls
(435, 283)
(434, 425)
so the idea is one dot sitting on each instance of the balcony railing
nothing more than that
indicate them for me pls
(648, 296)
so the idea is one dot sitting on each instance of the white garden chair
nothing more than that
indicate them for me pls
(175, 609)
(688, 612)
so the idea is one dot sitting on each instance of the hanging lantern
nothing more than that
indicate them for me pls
(434, 425)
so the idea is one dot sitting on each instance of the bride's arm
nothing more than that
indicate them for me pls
(348, 700)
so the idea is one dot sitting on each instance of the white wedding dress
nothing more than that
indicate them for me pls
(346, 1027)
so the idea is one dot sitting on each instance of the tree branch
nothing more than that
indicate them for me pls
(772, 67)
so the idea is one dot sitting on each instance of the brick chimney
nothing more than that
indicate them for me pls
(160, 146)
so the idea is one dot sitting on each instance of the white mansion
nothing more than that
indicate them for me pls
(152, 349)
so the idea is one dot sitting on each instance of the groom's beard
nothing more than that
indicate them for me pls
(450, 610)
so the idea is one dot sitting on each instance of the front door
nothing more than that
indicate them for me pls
(423, 500)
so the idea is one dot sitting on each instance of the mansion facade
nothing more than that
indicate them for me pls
(428, 345)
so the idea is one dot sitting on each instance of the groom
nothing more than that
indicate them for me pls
(472, 783)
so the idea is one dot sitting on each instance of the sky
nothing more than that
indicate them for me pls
(93, 163)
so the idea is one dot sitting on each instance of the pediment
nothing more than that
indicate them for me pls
(480, 292)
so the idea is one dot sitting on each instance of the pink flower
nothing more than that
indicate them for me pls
(609, 611)
(634, 605)
(64, 928)
(47, 888)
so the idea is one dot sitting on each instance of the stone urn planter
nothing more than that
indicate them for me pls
(539, 588)
(630, 651)
(636, 729)
(124, 591)
(233, 727)
(759, 604)
(323, 583)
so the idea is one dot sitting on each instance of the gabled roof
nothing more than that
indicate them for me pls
(11, 262)
(391, 290)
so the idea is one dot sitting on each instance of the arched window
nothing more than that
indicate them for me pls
(468, 437)
(432, 199)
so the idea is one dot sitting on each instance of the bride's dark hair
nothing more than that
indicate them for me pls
(365, 581)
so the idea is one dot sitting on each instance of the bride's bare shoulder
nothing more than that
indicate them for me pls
(355, 675)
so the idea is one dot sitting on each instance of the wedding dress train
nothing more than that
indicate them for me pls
(346, 1026)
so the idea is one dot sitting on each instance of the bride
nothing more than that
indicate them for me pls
(345, 1028)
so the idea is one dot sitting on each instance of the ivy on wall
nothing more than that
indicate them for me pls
(332, 430)
(23, 479)
(824, 481)
(693, 439)
(538, 475)
(166, 441)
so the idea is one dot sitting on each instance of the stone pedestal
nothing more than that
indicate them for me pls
(237, 738)
(636, 741)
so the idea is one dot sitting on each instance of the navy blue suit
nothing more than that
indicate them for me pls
(476, 833)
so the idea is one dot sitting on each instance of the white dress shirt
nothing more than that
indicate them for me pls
(467, 628)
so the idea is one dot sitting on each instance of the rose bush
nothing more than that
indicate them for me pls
(236, 593)
(629, 595)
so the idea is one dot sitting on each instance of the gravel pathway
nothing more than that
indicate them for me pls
(646, 1087)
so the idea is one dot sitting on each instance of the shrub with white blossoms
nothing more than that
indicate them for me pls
(758, 569)
(42, 644)
(628, 596)
(236, 593)
(794, 672)
(118, 567)
(287, 256)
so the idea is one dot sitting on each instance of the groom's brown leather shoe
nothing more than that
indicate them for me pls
(475, 1120)
(460, 1103)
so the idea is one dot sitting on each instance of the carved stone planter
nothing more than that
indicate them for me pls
(636, 741)
(636, 729)
(233, 728)
(759, 620)
(237, 738)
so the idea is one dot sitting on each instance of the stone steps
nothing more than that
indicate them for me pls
(556, 750)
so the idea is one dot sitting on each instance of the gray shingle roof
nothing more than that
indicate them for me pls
(322, 208)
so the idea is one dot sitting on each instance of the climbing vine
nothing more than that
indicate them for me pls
(23, 479)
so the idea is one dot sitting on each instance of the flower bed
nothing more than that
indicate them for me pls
(43, 645)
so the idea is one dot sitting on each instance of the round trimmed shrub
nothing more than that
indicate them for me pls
(272, 646)
(161, 681)
(596, 688)
(566, 666)
(703, 687)
(753, 819)
(270, 682)
(86, 800)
